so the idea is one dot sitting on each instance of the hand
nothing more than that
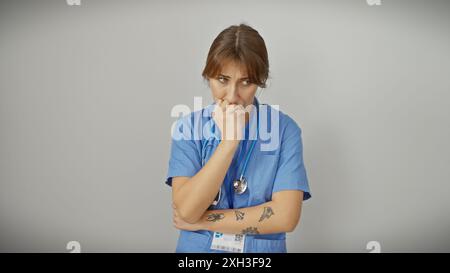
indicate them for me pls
(230, 118)
(181, 224)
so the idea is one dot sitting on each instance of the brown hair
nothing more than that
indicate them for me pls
(243, 44)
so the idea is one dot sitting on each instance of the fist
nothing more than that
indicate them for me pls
(230, 118)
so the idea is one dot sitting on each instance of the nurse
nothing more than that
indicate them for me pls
(232, 189)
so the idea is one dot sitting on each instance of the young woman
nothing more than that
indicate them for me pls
(233, 192)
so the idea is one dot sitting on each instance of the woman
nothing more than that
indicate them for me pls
(233, 192)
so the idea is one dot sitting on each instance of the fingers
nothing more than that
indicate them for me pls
(175, 216)
(222, 104)
(230, 117)
(225, 105)
(174, 212)
(228, 107)
(174, 208)
(217, 106)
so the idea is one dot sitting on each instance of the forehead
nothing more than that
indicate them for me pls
(233, 69)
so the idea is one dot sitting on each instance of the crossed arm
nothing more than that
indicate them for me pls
(192, 197)
(282, 214)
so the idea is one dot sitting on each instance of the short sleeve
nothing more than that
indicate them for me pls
(291, 172)
(184, 157)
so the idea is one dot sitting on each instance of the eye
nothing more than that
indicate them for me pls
(246, 82)
(222, 79)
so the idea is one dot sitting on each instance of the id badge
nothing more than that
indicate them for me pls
(228, 242)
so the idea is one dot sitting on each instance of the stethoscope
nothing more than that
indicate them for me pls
(239, 185)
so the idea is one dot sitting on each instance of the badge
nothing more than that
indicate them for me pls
(228, 242)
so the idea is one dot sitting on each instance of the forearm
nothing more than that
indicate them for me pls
(270, 217)
(197, 193)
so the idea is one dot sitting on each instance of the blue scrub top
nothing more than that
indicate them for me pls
(275, 164)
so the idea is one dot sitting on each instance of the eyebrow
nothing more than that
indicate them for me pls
(225, 76)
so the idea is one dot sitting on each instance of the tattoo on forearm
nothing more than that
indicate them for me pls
(214, 217)
(266, 213)
(239, 215)
(250, 231)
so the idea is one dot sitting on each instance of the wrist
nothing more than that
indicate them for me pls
(230, 144)
(204, 225)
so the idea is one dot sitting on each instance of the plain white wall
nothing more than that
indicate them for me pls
(86, 93)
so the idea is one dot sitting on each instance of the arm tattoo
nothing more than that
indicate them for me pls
(250, 231)
(214, 217)
(239, 215)
(266, 213)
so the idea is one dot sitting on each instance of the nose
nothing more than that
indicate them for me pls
(232, 94)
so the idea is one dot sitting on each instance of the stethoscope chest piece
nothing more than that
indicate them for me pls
(240, 185)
